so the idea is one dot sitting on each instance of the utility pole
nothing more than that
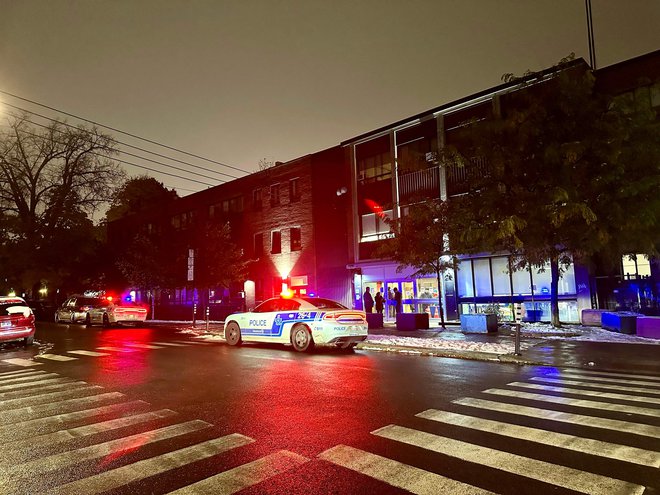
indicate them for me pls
(590, 34)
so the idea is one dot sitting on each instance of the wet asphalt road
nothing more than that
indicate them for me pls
(303, 423)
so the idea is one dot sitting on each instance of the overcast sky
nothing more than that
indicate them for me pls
(239, 81)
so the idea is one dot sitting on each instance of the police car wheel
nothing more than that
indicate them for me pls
(301, 338)
(233, 333)
(88, 320)
(106, 321)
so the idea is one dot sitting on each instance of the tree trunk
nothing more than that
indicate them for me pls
(440, 307)
(554, 285)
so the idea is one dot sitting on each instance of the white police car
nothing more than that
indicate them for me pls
(299, 321)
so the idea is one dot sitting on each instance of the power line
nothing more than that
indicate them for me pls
(126, 162)
(125, 133)
(126, 144)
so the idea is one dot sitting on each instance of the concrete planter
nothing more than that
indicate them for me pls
(412, 321)
(592, 317)
(375, 320)
(620, 322)
(479, 323)
(648, 326)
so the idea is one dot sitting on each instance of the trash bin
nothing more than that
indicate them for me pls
(412, 321)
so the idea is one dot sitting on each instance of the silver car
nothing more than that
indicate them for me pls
(74, 309)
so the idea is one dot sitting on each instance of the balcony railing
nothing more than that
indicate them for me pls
(420, 182)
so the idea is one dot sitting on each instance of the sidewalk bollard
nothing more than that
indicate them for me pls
(207, 318)
(194, 313)
(517, 340)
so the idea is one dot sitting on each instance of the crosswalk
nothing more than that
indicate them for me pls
(49, 430)
(101, 351)
(563, 431)
(596, 407)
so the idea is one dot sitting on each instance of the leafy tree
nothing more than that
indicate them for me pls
(219, 261)
(51, 179)
(569, 174)
(420, 241)
(138, 193)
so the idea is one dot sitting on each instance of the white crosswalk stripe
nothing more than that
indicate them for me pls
(245, 476)
(55, 357)
(16, 374)
(116, 349)
(30, 427)
(112, 447)
(150, 467)
(576, 419)
(600, 386)
(142, 346)
(590, 404)
(48, 397)
(573, 479)
(44, 409)
(607, 374)
(66, 383)
(602, 380)
(82, 352)
(87, 430)
(587, 393)
(36, 383)
(410, 478)
(192, 342)
(584, 445)
(31, 377)
(21, 362)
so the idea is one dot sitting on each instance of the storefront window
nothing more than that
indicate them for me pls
(481, 269)
(501, 279)
(464, 282)
(567, 281)
(521, 282)
(542, 279)
(427, 288)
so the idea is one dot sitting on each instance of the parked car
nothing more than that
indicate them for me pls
(113, 310)
(299, 321)
(75, 308)
(16, 320)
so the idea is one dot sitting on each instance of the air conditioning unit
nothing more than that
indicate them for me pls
(432, 157)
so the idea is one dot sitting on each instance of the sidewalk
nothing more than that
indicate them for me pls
(540, 344)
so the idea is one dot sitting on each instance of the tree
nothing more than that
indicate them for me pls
(138, 193)
(51, 180)
(570, 174)
(219, 261)
(420, 240)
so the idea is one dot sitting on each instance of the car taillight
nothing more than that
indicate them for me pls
(330, 316)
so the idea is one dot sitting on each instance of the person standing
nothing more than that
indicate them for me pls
(368, 301)
(397, 300)
(379, 302)
(390, 303)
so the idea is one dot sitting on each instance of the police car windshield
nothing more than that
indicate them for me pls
(321, 303)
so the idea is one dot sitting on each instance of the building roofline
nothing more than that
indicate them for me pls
(470, 99)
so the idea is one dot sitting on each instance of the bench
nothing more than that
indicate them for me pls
(620, 322)
(479, 323)
(592, 317)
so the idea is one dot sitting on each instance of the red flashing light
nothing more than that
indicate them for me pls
(286, 293)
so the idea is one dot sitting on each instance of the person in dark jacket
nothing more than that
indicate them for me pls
(379, 302)
(368, 301)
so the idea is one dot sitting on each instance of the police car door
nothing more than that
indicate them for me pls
(260, 321)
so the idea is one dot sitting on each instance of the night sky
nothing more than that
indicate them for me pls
(241, 81)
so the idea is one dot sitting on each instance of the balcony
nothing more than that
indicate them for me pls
(420, 183)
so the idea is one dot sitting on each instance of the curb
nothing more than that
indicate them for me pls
(469, 355)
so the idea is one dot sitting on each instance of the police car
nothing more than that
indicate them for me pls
(299, 321)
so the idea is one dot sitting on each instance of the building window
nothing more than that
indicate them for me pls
(375, 226)
(294, 190)
(274, 195)
(258, 245)
(636, 266)
(276, 242)
(464, 279)
(183, 221)
(295, 239)
(256, 199)
(375, 168)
